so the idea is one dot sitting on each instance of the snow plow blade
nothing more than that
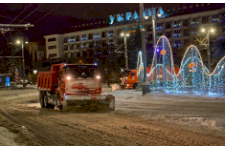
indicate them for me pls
(92, 102)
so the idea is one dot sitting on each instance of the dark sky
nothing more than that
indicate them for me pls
(61, 15)
(55, 16)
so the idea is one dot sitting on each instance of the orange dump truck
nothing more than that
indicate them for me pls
(73, 85)
(130, 79)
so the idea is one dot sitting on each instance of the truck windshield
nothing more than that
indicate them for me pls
(82, 71)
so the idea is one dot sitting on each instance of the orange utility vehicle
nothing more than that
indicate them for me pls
(72, 85)
(130, 78)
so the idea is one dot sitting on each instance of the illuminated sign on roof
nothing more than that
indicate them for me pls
(129, 16)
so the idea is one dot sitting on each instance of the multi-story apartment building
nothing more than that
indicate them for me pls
(180, 26)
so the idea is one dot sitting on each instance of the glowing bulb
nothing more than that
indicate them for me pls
(212, 30)
(18, 42)
(127, 35)
(68, 78)
(146, 17)
(98, 77)
(159, 15)
(203, 30)
(122, 34)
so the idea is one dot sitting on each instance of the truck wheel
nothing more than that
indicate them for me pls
(41, 99)
(135, 85)
(46, 104)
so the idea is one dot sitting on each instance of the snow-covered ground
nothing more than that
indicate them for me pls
(188, 109)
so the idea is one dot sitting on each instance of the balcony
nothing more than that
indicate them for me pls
(110, 35)
(177, 45)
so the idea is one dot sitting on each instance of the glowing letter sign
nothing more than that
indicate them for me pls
(129, 16)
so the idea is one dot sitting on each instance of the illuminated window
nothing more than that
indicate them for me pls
(176, 24)
(215, 18)
(110, 34)
(159, 26)
(96, 36)
(72, 39)
(195, 21)
(176, 33)
(83, 37)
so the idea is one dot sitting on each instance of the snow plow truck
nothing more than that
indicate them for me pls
(73, 85)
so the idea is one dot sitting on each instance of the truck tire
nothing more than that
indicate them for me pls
(41, 99)
(46, 104)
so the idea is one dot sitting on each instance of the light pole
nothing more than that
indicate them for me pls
(208, 44)
(125, 35)
(145, 84)
(22, 43)
(154, 40)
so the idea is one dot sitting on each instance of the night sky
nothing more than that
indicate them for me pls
(56, 17)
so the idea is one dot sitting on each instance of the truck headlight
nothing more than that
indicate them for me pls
(68, 77)
(98, 77)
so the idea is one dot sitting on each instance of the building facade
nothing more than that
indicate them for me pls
(179, 29)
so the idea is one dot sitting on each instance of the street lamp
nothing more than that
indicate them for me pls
(208, 44)
(22, 43)
(125, 35)
(154, 38)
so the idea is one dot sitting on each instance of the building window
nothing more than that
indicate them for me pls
(83, 37)
(66, 55)
(103, 34)
(72, 55)
(186, 32)
(111, 42)
(78, 54)
(176, 24)
(78, 46)
(52, 55)
(72, 39)
(97, 36)
(195, 21)
(85, 54)
(71, 46)
(66, 39)
(51, 39)
(168, 34)
(78, 38)
(110, 34)
(159, 26)
(65, 47)
(176, 33)
(168, 25)
(186, 41)
(177, 43)
(91, 44)
(205, 19)
(104, 43)
(158, 35)
(97, 44)
(52, 47)
(84, 45)
(215, 18)
(149, 27)
(186, 23)
(149, 37)
(90, 36)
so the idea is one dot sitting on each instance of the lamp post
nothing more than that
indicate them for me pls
(208, 44)
(154, 40)
(125, 35)
(145, 84)
(22, 43)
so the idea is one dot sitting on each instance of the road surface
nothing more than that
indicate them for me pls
(154, 119)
